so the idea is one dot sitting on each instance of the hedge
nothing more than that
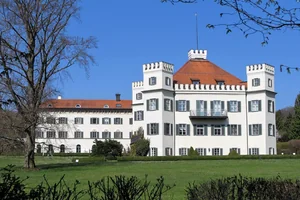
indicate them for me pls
(66, 154)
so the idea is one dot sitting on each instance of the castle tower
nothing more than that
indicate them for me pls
(158, 103)
(261, 109)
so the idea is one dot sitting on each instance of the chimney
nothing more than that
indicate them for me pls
(59, 97)
(118, 97)
(197, 54)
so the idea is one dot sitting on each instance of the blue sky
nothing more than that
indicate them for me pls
(131, 33)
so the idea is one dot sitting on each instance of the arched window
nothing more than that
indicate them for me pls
(39, 148)
(50, 149)
(78, 148)
(62, 148)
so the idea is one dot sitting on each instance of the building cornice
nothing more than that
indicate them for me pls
(129, 110)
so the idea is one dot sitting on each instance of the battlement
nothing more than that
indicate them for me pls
(164, 66)
(197, 54)
(138, 84)
(261, 67)
(202, 87)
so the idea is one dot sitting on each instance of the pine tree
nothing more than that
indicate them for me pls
(279, 120)
(295, 126)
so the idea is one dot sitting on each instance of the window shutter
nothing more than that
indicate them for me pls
(188, 129)
(109, 135)
(135, 115)
(269, 102)
(257, 151)
(148, 129)
(273, 130)
(166, 151)
(228, 129)
(147, 104)
(205, 129)
(222, 106)
(180, 151)
(150, 81)
(97, 120)
(221, 152)
(258, 81)
(165, 128)
(223, 129)
(109, 120)
(154, 80)
(115, 120)
(195, 129)
(273, 106)
(204, 151)
(165, 105)
(212, 130)
(259, 105)
(198, 105)
(211, 105)
(212, 151)
(121, 135)
(269, 131)
(157, 128)
(171, 151)
(171, 129)
(90, 134)
(177, 105)
(260, 129)
(171, 102)
(250, 129)
(166, 81)
(239, 151)
(252, 82)
(156, 102)
(177, 129)
(142, 115)
(103, 120)
(228, 106)
(249, 106)
(97, 134)
(239, 129)
(239, 106)
(249, 151)
(91, 120)
(187, 105)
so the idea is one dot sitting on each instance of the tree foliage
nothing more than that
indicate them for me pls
(294, 146)
(36, 49)
(139, 145)
(192, 152)
(295, 124)
(107, 148)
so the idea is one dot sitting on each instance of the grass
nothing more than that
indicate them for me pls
(177, 172)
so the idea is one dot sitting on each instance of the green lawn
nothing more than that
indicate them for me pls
(178, 172)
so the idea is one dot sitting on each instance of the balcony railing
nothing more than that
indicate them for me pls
(209, 114)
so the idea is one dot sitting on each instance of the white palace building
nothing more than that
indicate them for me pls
(200, 106)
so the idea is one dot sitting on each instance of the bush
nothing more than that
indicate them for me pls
(233, 153)
(192, 152)
(107, 148)
(239, 187)
(141, 147)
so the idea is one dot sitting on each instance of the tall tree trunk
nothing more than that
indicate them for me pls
(29, 149)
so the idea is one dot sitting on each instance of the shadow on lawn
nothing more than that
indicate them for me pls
(66, 165)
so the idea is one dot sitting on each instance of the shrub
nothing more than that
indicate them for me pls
(141, 147)
(107, 148)
(239, 187)
(192, 152)
(233, 153)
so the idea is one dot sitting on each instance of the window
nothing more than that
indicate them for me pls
(201, 151)
(50, 120)
(200, 130)
(255, 82)
(253, 151)
(94, 134)
(182, 105)
(271, 151)
(62, 120)
(168, 151)
(152, 104)
(106, 106)
(153, 151)
(78, 148)
(118, 120)
(78, 134)
(39, 134)
(168, 129)
(234, 130)
(220, 83)
(255, 129)
(130, 120)
(62, 148)
(139, 115)
(153, 129)
(94, 120)
(152, 81)
(217, 130)
(78, 120)
(39, 148)
(196, 82)
(50, 149)
(270, 106)
(167, 81)
(217, 108)
(118, 105)
(49, 105)
(139, 96)
(271, 130)
(254, 105)
(217, 151)
(183, 129)
(78, 106)
(130, 134)
(183, 151)
(270, 82)
(238, 150)
(118, 135)
(168, 105)
(62, 134)
(234, 106)
(105, 120)
(106, 135)
(50, 134)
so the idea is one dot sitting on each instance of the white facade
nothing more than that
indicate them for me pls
(211, 118)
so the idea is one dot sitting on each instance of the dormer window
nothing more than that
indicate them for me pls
(219, 82)
(78, 106)
(49, 105)
(195, 81)
(118, 105)
(105, 106)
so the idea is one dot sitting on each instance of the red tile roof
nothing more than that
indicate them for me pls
(206, 72)
(92, 104)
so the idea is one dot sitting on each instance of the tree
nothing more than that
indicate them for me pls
(107, 148)
(294, 146)
(257, 16)
(192, 152)
(295, 125)
(139, 145)
(35, 49)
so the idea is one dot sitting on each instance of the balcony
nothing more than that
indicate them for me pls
(208, 114)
